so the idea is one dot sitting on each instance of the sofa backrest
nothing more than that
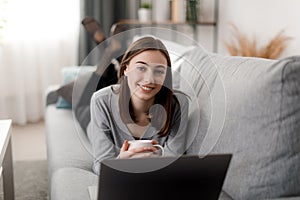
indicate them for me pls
(249, 107)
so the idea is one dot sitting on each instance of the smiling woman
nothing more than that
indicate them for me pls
(145, 78)
(37, 41)
(143, 106)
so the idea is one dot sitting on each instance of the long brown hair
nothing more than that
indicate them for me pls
(164, 97)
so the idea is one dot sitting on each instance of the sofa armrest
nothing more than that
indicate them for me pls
(51, 94)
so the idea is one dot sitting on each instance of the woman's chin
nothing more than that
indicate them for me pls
(144, 96)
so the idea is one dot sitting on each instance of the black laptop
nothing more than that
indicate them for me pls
(163, 178)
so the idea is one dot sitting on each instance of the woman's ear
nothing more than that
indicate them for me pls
(126, 70)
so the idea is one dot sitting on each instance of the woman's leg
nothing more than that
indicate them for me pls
(104, 75)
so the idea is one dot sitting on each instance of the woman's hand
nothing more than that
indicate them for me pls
(154, 142)
(140, 152)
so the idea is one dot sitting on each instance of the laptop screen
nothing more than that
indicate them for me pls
(163, 178)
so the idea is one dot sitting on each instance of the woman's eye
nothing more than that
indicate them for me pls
(141, 68)
(159, 72)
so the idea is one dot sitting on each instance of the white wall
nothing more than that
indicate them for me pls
(262, 19)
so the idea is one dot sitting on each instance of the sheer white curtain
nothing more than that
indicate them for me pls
(39, 38)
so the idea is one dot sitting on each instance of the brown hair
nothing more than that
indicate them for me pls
(164, 97)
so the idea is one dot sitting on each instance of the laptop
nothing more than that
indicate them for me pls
(163, 178)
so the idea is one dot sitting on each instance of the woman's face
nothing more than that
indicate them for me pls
(146, 73)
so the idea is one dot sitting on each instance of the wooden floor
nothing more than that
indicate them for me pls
(28, 142)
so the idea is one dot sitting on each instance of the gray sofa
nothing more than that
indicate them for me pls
(249, 107)
(69, 161)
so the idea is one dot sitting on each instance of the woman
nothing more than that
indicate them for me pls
(142, 106)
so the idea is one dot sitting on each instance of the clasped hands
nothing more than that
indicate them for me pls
(139, 152)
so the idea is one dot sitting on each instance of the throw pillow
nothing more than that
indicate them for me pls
(65, 95)
(260, 126)
(65, 92)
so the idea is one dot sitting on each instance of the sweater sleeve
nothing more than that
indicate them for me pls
(99, 132)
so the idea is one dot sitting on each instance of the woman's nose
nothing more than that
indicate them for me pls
(149, 77)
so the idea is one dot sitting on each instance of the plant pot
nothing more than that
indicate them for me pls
(144, 15)
(160, 10)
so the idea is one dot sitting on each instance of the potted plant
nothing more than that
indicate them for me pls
(241, 45)
(144, 12)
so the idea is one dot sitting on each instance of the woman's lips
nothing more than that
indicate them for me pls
(146, 89)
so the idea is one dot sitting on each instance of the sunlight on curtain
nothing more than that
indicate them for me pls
(39, 38)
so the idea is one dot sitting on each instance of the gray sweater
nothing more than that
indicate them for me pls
(107, 132)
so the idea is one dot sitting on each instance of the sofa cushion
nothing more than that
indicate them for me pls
(249, 107)
(72, 184)
(63, 134)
